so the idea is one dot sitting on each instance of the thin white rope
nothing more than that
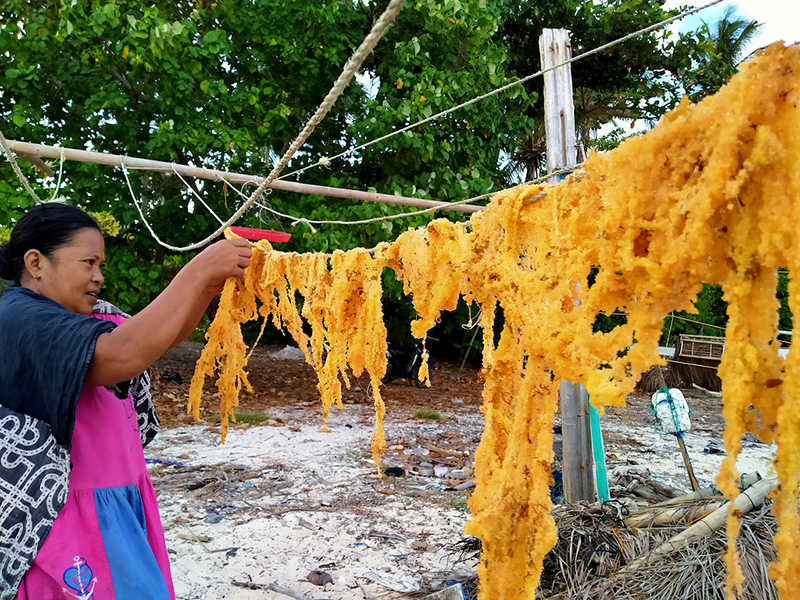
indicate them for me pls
(534, 181)
(17, 170)
(196, 195)
(136, 203)
(349, 70)
(310, 222)
(326, 160)
(60, 175)
(295, 220)
(472, 322)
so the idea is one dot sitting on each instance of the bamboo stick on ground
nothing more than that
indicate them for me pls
(672, 515)
(704, 493)
(749, 499)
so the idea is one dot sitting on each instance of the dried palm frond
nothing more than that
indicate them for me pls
(593, 546)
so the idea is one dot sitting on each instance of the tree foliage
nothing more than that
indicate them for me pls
(228, 85)
(639, 79)
(726, 40)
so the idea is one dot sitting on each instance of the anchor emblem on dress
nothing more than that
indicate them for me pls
(79, 579)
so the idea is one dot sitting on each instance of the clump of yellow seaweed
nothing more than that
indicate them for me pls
(710, 195)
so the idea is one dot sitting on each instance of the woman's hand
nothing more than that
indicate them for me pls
(218, 262)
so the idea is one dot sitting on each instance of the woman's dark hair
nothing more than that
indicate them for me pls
(45, 228)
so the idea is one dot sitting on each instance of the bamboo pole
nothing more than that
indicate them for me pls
(117, 160)
(671, 515)
(704, 493)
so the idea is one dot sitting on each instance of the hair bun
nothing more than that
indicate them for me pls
(6, 264)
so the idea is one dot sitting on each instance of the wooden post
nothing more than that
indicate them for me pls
(559, 109)
(577, 463)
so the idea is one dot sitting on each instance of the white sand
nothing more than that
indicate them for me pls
(307, 500)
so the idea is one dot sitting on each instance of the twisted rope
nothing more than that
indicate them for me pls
(17, 170)
(353, 64)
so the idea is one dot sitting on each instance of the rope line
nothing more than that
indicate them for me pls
(325, 161)
(136, 204)
(17, 170)
(295, 220)
(697, 322)
(60, 175)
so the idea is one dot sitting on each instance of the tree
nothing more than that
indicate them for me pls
(228, 85)
(639, 79)
(726, 41)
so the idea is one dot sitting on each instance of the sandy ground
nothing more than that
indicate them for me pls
(281, 500)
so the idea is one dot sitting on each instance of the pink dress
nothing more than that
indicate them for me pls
(107, 542)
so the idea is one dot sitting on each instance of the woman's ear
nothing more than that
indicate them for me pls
(34, 261)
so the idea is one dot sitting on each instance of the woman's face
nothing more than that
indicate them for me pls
(72, 274)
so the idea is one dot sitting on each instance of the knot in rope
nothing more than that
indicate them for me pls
(305, 221)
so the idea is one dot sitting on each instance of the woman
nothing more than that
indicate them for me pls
(78, 514)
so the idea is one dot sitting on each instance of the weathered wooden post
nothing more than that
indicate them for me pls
(577, 463)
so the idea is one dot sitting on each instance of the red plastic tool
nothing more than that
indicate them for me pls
(249, 233)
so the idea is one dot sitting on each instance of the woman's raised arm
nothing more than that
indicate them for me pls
(132, 347)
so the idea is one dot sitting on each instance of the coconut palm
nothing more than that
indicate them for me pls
(731, 34)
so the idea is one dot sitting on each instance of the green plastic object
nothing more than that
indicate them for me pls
(598, 451)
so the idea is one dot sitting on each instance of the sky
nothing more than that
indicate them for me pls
(780, 18)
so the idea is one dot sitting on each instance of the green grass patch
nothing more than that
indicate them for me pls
(428, 414)
(247, 418)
